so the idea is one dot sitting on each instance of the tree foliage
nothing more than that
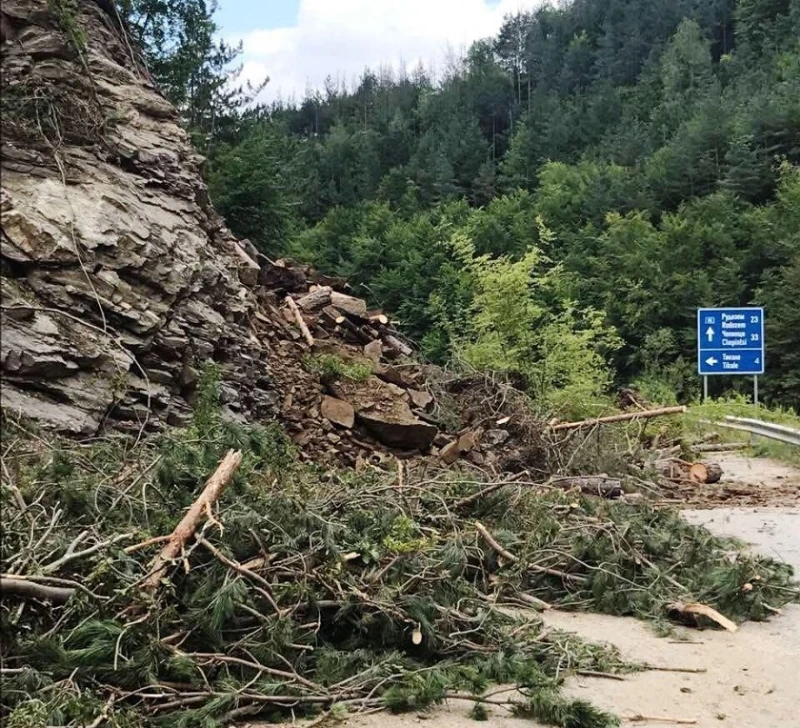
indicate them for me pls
(658, 142)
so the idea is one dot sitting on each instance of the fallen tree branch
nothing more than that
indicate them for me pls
(214, 488)
(603, 675)
(32, 590)
(244, 571)
(689, 670)
(72, 555)
(598, 485)
(629, 416)
(508, 556)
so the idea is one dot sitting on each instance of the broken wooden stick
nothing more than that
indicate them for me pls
(533, 601)
(705, 611)
(214, 488)
(644, 415)
(603, 675)
(639, 718)
(298, 317)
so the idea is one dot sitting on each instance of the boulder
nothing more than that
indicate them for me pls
(373, 352)
(338, 411)
(408, 434)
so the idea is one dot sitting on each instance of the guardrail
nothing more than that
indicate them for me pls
(789, 435)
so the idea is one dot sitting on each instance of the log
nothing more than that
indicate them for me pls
(298, 317)
(357, 333)
(378, 317)
(32, 590)
(703, 472)
(721, 447)
(355, 306)
(599, 485)
(392, 342)
(643, 415)
(680, 471)
(673, 469)
(212, 491)
(331, 316)
(316, 299)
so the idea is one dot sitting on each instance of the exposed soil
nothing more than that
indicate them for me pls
(746, 482)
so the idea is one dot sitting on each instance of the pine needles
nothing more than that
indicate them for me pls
(349, 591)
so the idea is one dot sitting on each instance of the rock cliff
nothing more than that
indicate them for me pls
(117, 275)
(119, 280)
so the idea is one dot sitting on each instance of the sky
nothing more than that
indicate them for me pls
(297, 43)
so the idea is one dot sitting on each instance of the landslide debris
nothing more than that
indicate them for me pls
(302, 592)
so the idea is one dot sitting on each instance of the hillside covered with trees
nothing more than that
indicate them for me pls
(558, 202)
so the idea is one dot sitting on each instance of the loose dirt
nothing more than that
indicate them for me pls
(750, 678)
(745, 482)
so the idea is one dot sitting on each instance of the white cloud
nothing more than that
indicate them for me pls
(342, 37)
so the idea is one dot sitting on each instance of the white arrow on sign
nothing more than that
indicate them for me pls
(710, 333)
(711, 361)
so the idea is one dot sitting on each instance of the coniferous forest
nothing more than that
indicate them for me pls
(556, 203)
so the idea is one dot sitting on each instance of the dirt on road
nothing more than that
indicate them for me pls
(746, 482)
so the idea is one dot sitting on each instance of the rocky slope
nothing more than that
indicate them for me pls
(119, 281)
(118, 277)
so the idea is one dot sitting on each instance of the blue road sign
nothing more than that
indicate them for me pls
(730, 341)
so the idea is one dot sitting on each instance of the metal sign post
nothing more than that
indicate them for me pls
(730, 341)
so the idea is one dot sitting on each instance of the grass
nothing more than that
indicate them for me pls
(696, 425)
(330, 367)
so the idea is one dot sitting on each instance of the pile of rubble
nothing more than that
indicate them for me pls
(389, 409)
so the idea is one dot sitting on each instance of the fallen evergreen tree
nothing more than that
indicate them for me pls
(301, 592)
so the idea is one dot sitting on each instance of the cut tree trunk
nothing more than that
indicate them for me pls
(673, 469)
(378, 317)
(598, 485)
(394, 344)
(680, 471)
(315, 299)
(214, 488)
(331, 317)
(704, 472)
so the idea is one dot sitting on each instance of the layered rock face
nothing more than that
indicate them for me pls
(117, 276)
